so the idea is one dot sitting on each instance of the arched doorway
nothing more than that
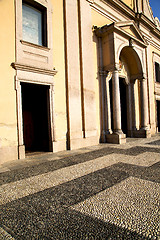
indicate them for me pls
(130, 73)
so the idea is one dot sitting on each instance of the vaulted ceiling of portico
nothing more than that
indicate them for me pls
(132, 60)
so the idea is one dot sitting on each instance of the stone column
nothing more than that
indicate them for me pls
(108, 107)
(116, 103)
(102, 105)
(144, 104)
(133, 105)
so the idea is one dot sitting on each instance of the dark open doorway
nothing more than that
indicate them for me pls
(36, 124)
(158, 116)
(123, 96)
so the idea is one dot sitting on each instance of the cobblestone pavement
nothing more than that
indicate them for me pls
(106, 191)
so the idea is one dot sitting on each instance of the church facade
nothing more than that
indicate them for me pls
(75, 73)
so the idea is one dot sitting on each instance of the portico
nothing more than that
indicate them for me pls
(123, 62)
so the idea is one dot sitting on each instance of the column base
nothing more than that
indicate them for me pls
(21, 151)
(116, 138)
(142, 133)
(103, 137)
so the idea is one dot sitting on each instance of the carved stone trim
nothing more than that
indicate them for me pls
(34, 45)
(27, 68)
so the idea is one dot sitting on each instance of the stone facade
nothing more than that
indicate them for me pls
(95, 79)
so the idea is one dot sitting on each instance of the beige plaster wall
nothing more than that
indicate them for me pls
(8, 120)
(59, 63)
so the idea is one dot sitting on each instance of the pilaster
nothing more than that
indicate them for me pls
(88, 98)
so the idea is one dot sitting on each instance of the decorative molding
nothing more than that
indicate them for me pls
(90, 1)
(34, 45)
(18, 66)
(122, 7)
(105, 12)
(125, 9)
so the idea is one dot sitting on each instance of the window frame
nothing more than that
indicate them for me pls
(157, 72)
(43, 10)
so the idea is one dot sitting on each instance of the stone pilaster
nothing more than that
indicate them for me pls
(21, 147)
(144, 104)
(88, 96)
(144, 131)
(74, 116)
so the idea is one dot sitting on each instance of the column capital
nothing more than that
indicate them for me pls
(102, 72)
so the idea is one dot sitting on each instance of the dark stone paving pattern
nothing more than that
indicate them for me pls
(46, 214)
(157, 142)
(15, 175)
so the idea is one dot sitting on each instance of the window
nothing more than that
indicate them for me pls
(157, 70)
(34, 27)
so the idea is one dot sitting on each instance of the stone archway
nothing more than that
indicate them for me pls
(130, 70)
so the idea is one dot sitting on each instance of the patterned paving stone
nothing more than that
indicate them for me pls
(105, 192)
(155, 143)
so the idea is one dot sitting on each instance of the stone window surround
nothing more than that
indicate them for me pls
(33, 64)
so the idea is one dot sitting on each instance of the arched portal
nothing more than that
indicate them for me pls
(128, 98)
(130, 70)
(123, 55)
(130, 64)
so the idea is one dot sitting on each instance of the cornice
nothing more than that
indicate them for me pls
(137, 17)
(22, 67)
(146, 21)
(121, 6)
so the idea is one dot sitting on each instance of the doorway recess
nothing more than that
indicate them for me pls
(36, 119)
